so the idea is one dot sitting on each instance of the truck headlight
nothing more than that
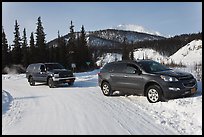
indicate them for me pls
(56, 75)
(168, 78)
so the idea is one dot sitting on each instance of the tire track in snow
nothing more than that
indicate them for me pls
(125, 113)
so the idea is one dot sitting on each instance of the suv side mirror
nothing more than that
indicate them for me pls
(138, 72)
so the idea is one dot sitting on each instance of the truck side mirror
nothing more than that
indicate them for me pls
(42, 69)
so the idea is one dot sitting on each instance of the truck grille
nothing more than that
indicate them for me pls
(64, 75)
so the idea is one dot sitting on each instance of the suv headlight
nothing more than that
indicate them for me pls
(56, 75)
(168, 78)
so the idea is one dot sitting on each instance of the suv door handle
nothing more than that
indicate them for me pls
(112, 75)
(125, 76)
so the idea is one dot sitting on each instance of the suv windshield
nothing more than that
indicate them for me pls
(54, 66)
(152, 66)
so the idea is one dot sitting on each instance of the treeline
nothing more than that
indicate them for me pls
(67, 52)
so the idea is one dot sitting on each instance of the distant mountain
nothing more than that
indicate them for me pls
(119, 35)
(137, 28)
(111, 37)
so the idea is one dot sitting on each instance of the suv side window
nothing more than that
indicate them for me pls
(107, 68)
(131, 69)
(118, 67)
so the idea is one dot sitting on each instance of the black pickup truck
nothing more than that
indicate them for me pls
(51, 73)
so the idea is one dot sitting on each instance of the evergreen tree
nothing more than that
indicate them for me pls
(71, 46)
(125, 52)
(32, 51)
(16, 52)
(85, 54)
(62, 49)
(4, 50)
(132, 52)
(40, 42)
(25, 56)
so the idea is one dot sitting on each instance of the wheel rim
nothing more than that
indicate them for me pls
(106, 89)
(31, 81)
(153, 95)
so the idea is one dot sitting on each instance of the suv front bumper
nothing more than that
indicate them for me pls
(177, 89)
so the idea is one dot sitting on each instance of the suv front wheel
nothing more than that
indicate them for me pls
(154, 93)
(106, 89)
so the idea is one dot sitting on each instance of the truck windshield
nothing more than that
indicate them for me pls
(54, 66)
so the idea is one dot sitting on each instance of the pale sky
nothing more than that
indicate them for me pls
(169, 18)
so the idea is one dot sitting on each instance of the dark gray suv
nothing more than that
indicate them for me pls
(51, 73)
(145, 77)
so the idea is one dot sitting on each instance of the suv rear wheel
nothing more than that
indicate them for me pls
(106, 89)
(32, 81)
(51, 83)
(154, 93)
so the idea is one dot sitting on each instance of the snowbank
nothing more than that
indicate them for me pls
(189, 54)
(6, 100)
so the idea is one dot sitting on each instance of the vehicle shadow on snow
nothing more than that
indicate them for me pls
(6, 101)
(77, 84)
(80, 84)
(29, 97)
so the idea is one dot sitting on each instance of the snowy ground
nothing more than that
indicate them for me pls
(83, 109)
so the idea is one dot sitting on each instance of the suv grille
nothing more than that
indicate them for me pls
(186, 78)
(189, 83)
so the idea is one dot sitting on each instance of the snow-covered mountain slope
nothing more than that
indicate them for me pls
(189, 54)
(137, 28)
(143, 53)
(109, 57)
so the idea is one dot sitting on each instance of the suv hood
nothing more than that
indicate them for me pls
(174, 73)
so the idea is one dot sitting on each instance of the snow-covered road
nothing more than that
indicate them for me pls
(83, 109)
